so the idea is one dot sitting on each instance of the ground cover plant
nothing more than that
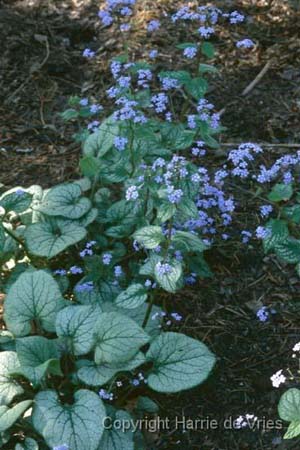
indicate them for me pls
(90, 266)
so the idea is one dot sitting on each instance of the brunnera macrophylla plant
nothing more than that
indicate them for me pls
(89, 267)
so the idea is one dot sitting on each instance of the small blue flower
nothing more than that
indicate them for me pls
(262, 314)
(61, 447)
(60, 272)
(245, 43)
(85, 287)
(132, 193)
(75, 270)
(190, 52)
(118, 271)
(84, 102)
(106, 258)
(153, 25)
(88, 53)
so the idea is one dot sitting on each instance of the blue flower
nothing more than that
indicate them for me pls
(190, 52)
(106, 258)
(60, 272)
(120, 142)
(262, 314)
(88, 53)
(153, 25)
(265, 210)
(76, 270)
(132, 193)
(85, 287)
(245, 43)
(118, 271)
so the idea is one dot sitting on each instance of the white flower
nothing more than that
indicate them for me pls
(278, 378)
(296, 347)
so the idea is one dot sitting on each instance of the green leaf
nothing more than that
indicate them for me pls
(147, 405)
(35, 296)
(134, 296)
(188, 242)
(117, 338)
(293, 430)
(149, 237)
(76, 324)
(203, 68)
(293, 213)
(89, 166)
(2, 238)
(181, 75)
(100, 142)
(278, 234)
(289, 251)
(281, 192)
(37, 356)
(165, 211)
(115, 438)
(180, 362)
(53, 237)
(208, 49)
(8, 416)
(69, 114)
(16, 200)
(103, 292)
(28, 444)
(148, 267)
(9, 388)
(185, 45)
(289, 405)
(99, 374)
(197, 87)
(79, 425)
(168, 281)
(153, 327)
(65, 200)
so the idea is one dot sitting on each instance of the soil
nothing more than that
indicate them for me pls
(42, 66)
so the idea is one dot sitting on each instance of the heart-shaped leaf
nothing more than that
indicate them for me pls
(113, 437)
(8, 416)
(98, 375)
(78, 425)
(289, 405)
(135, 295)
(180, 362)
(37, 356)
(149, 237)
(76, 324)
(35, 296)
(169, 276)
(100, 142)
(117, 338)
(16, 200)
(53, 236)
(65, 200)
(9, 388)
(188, 242)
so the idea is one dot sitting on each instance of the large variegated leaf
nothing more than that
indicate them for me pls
(179, 362)
(35, 296)
(8, 416)
(79, 425)
(117, 338)
(65, 200)
(53, 236)
(9, 388)
(99, 374)
(76, 325)
(37, 356)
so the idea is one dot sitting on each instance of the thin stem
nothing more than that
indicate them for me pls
(148, 312)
